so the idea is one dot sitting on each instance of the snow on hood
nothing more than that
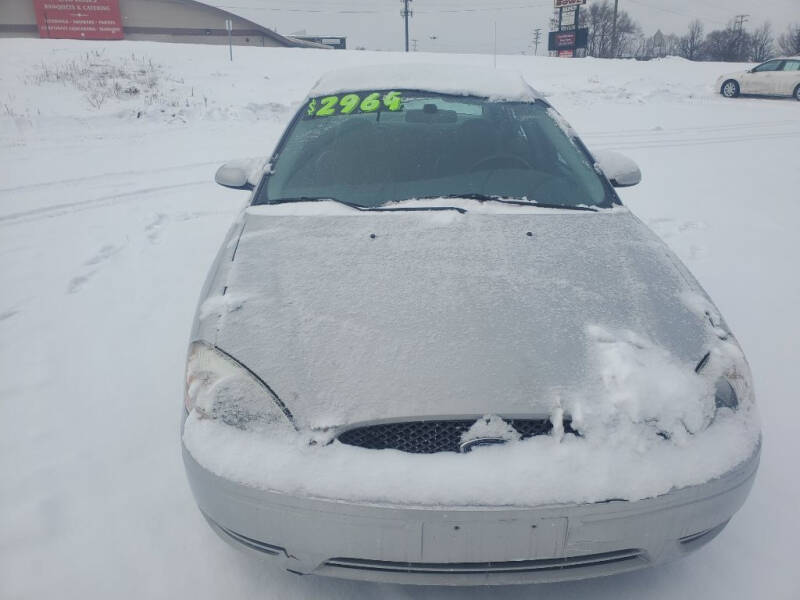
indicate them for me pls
(357, 317)
(495, 84)
(379, 316)
(543, 470)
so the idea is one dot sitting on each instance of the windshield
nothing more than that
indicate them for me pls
(373, 148)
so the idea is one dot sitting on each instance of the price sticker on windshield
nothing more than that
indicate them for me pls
(348, 104)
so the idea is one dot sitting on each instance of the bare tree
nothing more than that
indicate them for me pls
(599, 18)
(656, 46)
(731, 44)
(672, 45)
(692, 42)
(599, 21)
(659, 44)
(762, 44)
(627, 31)
(789, 42)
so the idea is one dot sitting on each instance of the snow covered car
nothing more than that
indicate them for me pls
(436, 349)
(776, 77)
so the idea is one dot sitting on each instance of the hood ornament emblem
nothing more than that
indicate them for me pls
(469, 445)
(487, 431)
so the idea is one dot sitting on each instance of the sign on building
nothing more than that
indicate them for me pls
(568, 40)
(79, 19)
(568, 18)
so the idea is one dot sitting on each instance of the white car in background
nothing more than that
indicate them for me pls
(776, 77)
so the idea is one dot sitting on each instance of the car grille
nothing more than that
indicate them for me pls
(428, 437)
(516, 566)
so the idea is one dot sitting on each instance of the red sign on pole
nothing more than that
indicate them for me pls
(79, 19)
(565, 39)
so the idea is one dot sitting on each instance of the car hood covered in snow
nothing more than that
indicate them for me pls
(355, 317)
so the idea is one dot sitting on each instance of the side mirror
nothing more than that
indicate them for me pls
(620, 170)
(235, 174)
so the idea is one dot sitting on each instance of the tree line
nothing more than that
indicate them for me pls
(734, 42)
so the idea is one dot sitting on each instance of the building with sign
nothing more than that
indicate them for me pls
(568, 40)
(155, 20)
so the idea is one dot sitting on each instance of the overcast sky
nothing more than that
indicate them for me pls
(467, 25)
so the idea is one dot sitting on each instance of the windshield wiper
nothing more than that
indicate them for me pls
(501, 200)
(298, 199)
(381, 208)
(393, 206)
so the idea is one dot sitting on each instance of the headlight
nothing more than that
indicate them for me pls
(725, 396)
(218, 387)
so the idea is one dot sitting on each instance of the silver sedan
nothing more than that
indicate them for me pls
(436, 349)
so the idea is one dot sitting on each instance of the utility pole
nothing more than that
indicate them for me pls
(406, 13)
(414, 46)
(738, 27)
(537, 36)
(614, 31)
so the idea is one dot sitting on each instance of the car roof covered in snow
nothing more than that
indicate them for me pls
(495, 84)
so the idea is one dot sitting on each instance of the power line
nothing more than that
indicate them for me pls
(714, 6)
(727, 9)
(344, 9)
(675, 12)
(483, 8)
(301, 10)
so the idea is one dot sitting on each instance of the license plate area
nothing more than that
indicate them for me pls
(488, 540)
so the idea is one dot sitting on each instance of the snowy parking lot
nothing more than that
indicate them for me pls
(109, 220)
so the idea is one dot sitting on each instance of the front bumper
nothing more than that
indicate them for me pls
(467, 545)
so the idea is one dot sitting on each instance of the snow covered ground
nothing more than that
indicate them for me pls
(109, 219)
